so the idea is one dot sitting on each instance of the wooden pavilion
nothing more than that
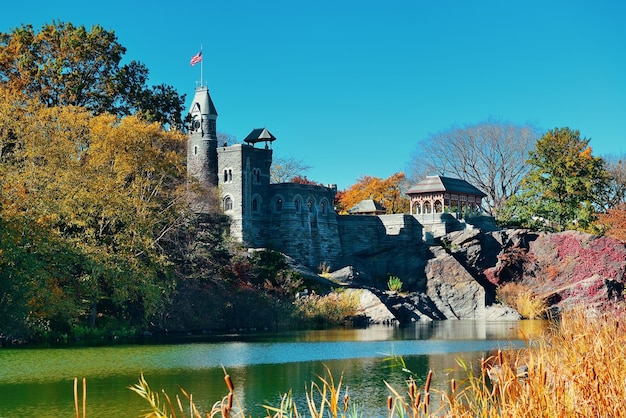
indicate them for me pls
(439, 194)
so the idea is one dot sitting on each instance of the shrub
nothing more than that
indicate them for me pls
(331, 309)
(520, 298)
(394, 284)
(324, 270)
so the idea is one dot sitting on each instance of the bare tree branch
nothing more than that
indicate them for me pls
(285, 169)
(491, 155)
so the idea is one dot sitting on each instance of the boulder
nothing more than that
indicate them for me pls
(453, 290)
(345, 276)
(372, 308)
(498, 312)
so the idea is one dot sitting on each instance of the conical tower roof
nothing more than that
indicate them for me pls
(202, 102)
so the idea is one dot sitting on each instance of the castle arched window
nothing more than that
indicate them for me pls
(230, 175)
(323, 207)
(255, 204)
(195, 150)
(309, 204)
(298, 204)
(438, 206)
(228, 203)
(194, 125)
(279, 205)
(256, 176)
(225, 176)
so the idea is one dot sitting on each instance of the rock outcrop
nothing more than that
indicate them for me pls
(459, 279)
(454, 291)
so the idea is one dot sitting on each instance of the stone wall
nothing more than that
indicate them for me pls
(304, 224)
(361, 234)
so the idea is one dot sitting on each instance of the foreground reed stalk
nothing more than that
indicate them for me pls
(576, 369)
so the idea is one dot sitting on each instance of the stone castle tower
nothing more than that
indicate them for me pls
(202, 142)
(296, 219)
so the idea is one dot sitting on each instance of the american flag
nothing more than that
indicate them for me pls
(196, 59)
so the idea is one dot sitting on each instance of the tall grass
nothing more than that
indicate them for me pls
(331, 309)
(521, 298)
(577, 369)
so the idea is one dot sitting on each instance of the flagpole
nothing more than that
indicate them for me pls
(201, 63)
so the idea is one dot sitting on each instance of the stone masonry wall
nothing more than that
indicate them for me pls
(305, 227)
(361, 234)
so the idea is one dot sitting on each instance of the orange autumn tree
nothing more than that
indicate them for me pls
(388, 192)
(613, 222)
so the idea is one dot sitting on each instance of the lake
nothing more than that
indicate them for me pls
(38, 382)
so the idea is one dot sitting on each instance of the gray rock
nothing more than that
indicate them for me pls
(345, 276)
(372, 307)
(452, 289)
(498, 312)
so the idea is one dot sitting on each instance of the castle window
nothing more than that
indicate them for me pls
(195, 150)
(279, 205)
(228, 175)
(228, 203)
(256, 176)
(310, 205)
(323, 207)
(297, 204)
(255, 204)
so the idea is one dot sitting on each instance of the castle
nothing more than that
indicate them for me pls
(298, 219)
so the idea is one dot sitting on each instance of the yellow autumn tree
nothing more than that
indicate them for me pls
(388, 192)
(87, 200)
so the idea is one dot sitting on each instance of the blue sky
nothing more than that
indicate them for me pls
(351, 87)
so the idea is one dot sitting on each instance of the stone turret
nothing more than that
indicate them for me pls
(202, 142)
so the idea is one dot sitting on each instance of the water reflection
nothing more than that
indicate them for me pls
(38, 382)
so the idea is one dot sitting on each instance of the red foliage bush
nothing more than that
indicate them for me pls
(600, 256)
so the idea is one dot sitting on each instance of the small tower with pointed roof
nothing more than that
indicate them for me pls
(202, 142)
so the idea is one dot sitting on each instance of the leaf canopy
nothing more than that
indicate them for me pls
(565, 183)
(67, 65)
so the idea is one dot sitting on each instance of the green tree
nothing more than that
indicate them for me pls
(67, 65)
(564, 185)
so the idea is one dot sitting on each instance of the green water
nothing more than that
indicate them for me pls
(39, 382)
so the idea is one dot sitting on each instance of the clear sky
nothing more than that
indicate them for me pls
(351, 86)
